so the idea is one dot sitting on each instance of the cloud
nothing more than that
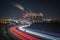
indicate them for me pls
(18, 6)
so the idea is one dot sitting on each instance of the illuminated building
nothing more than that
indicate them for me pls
(33, 17)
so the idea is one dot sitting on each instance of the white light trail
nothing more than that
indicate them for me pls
(36, 33)
(42, 35)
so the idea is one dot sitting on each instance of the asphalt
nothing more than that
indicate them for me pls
(22, 35)
(5, 33)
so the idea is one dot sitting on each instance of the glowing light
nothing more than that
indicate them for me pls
(19, 6)
(41, 14)
(37, 34)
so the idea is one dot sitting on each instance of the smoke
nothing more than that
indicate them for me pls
(18, 6)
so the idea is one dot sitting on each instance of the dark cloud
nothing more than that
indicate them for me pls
(51, 8)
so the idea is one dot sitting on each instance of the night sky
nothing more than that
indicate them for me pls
(50, 9)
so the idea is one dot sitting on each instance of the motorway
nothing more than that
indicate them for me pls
(26, 35)
(20, 33)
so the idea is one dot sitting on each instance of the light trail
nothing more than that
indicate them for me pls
(22, 35)
(37, 34)
(17, 35)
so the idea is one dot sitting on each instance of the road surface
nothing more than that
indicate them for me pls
(21, 35)
(25, 36)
